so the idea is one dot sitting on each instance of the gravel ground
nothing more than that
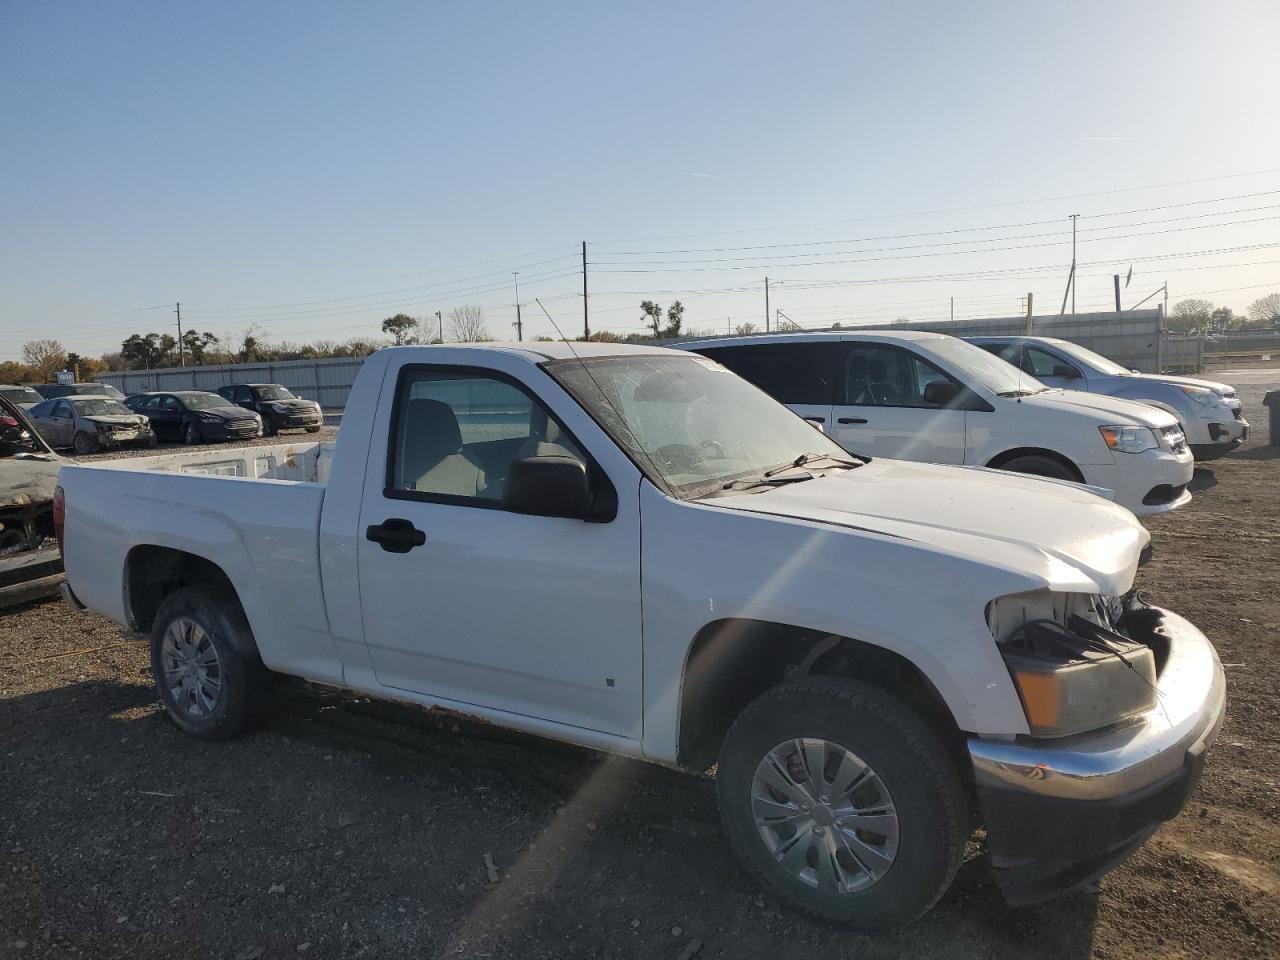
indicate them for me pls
(346, 828)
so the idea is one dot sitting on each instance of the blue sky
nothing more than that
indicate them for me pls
(315, 167)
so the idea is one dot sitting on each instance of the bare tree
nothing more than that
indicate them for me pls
(47, 356)
(466, 325)
(1264, 311)
(743, 329)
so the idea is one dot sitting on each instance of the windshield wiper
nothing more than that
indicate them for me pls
(765, 480)
(1021, 392)
(807, 458)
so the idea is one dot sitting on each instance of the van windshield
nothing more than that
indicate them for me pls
(999, 376)
(692, 422)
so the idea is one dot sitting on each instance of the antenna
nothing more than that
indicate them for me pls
(607, 399)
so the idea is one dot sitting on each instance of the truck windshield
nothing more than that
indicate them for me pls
(692, 422)
(999, 376)
(273, 391)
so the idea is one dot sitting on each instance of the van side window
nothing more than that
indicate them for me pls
(788, 372)
(1041, 363)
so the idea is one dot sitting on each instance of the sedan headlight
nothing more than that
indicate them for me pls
(210, 418)
(1129, 439)
(279, 408)
(1203, 396)
(1074, 671)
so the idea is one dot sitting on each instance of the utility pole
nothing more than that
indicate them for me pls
(953, 309)
(1074, 218)
(586, 324)
(515, 276)
(1115, 280)
(440, 320)
(766, 304)
(1030, 296)
(182, 357)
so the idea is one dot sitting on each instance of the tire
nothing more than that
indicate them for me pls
(229, 690)
(1040, 466)
(313, 429)
(83, 444)
(191, 436)
(908, 773)
(269, 428)
(153, 441)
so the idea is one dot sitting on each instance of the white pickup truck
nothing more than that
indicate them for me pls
(635, 550)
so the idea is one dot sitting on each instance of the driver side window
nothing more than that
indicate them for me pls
(879, 375)
(1041, 363)
(456, 434)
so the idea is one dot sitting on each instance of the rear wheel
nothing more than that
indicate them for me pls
(842, 802)
(85, 444)
(1037, 465)
(206, 666)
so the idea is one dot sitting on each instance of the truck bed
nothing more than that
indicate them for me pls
(307, 462)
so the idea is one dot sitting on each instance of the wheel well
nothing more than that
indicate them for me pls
(152, 573)
(731, 662)
(1000, 459)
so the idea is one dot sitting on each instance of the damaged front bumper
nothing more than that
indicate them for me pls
(1061, 813)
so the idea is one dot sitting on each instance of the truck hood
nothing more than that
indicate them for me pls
(1064, 533)
(1105, 409)
(28, 478)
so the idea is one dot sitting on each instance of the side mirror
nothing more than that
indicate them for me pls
(1065, 371)
(941, 393)
(556, 487)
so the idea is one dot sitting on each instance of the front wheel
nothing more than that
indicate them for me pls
(1039, 466)
(192, 435)
(313, 429)
(85, 444)
(205, 663)
(842, 802)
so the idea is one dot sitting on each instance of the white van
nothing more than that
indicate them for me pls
(927, 396)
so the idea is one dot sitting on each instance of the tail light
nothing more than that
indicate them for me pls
(59, 517)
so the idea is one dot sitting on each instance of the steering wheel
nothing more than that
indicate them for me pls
(717, 451)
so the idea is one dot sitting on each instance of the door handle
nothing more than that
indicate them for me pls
(395, 535)
(851, 420)
(816, 419)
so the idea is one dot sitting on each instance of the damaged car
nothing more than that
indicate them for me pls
(29, 563)
(88, 424)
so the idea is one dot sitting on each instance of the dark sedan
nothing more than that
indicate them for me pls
(277, 405)
(194, 416)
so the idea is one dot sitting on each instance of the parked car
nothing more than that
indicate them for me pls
(30, 566)
(1209, 412)
(51, 391)
(88, 424)
(633, 549)
(937, 399)
(276, 404)
(22, 397)
(194, 416)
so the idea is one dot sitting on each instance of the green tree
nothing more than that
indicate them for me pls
(653, 313)
(1190, 315)
(146, 351)
(675, 317)
(1223, 319)
(198, 345)
(401, 327)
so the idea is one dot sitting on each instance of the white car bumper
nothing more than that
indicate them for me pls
(1217, 428)
(1146, 483)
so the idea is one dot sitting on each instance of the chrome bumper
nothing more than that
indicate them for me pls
(1130, 757)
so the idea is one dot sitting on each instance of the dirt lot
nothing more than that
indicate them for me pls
(346, 828)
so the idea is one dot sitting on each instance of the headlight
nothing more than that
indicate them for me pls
(210, 418)
(279, 408)
(1073, 670)
(1202, 396)
(1129, 439)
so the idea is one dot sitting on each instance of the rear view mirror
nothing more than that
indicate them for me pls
(1065, 371)
(941, 393)
(556, 487)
